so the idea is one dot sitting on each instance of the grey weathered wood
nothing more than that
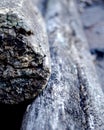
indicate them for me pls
(73, 99)
(24, 51)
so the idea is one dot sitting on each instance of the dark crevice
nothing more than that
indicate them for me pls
(99, 53)
(11, 115)
(22, 31)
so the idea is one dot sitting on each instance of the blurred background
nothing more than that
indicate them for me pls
(92, 18)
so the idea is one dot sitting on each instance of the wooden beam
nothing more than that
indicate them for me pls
(73, 99)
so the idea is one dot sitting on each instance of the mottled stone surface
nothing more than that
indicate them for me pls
(73, 99)
(24, 51)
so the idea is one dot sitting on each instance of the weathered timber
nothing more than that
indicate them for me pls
(24, 51)
(73, 99)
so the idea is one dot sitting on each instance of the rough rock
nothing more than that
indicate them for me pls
(24, 51)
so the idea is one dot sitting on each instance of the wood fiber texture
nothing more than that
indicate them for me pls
(73, 99)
